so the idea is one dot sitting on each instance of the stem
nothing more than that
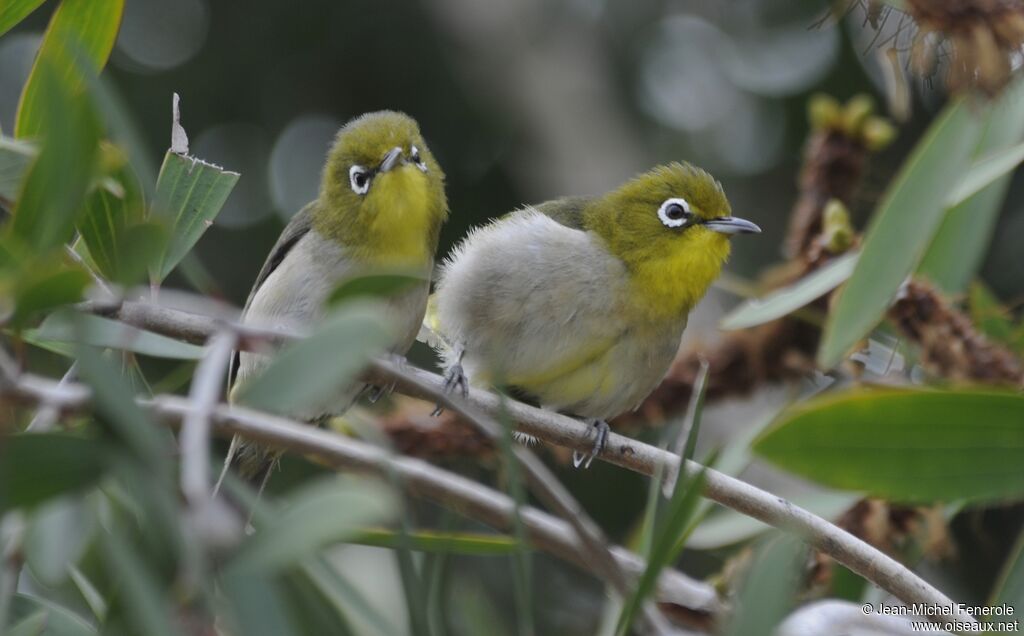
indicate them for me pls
(557, 429)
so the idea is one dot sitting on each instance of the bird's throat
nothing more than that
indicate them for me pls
(668, 286)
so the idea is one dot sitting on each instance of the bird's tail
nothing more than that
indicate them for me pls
(250, 461)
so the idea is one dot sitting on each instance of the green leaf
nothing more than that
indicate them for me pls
(35, 467)
(986, 171)
(55, 185)
(121, 243)
(89, 593)
(15, 158)
(144, 603)
(257, 604)
(313, 607)
(767, 593)
(309, 375)
(663, 549)
(325, 512)
(1009, 587)
(14, 11)
(961, 242)
(905, 445)
(47, 287)
(727, 527)
(341, 592)
(60, 621)
(32, 625)
(786, 300)
(81, 32)
(58, 534)
(106, 333)
(189, 194)
(901, 229)
(373, 285)
(115, 405)
(465, 543)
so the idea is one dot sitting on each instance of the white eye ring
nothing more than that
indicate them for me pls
(359, 178)
(669, 212)
(414, 154)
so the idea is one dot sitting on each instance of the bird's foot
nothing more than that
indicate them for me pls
(377, 392)
(601, 430)
(454, 380)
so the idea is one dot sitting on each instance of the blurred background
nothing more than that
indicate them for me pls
(520, 102)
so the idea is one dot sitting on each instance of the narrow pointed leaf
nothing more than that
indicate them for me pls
(901, 228)
(121, 243)
(986, 171)
(189, 195)
(115, 407)
(145, 606)
(318, 515)
(678, 513)
(957, 251)
(905, 445)
(308, 376)
(374, 286)
(35, 467)
(52, 191)
(15, 158)
(727, 527)
(465, 543)
(1009, 587)
(60, 621)
(32, 625)
(769, 589)
(782, 302)
(14, 11)
(111, 334)
(80, 32)
(46, 287)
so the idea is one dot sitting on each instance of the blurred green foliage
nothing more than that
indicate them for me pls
(520, 103)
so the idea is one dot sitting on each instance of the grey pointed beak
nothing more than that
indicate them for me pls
(390, 159)
(731, 225)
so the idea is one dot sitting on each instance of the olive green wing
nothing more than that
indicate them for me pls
(568, 210)
(299, 226)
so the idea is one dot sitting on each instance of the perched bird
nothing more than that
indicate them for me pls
(380, 207)
(580, 303)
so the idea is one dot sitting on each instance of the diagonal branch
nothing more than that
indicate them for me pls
(556, 429)
(423, 479)
(207, 386)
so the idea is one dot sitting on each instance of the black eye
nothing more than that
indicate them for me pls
(674, 212)
(414, 155)
(359, 179)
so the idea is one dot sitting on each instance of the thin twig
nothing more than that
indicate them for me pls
(454, 491)
(47, 414)
(207, 385)
(541, 480)
(557, 429)
(96, 278)
(194, 328)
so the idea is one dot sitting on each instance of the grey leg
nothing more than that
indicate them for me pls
(601, 430)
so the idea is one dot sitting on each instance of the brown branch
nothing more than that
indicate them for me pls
(453, 491)
(951, 346)
(623, 451)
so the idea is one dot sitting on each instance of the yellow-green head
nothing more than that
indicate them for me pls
(382, 192)
(671, 228)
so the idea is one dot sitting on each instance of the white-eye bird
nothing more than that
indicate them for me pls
(580, 303)
(380, 208)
